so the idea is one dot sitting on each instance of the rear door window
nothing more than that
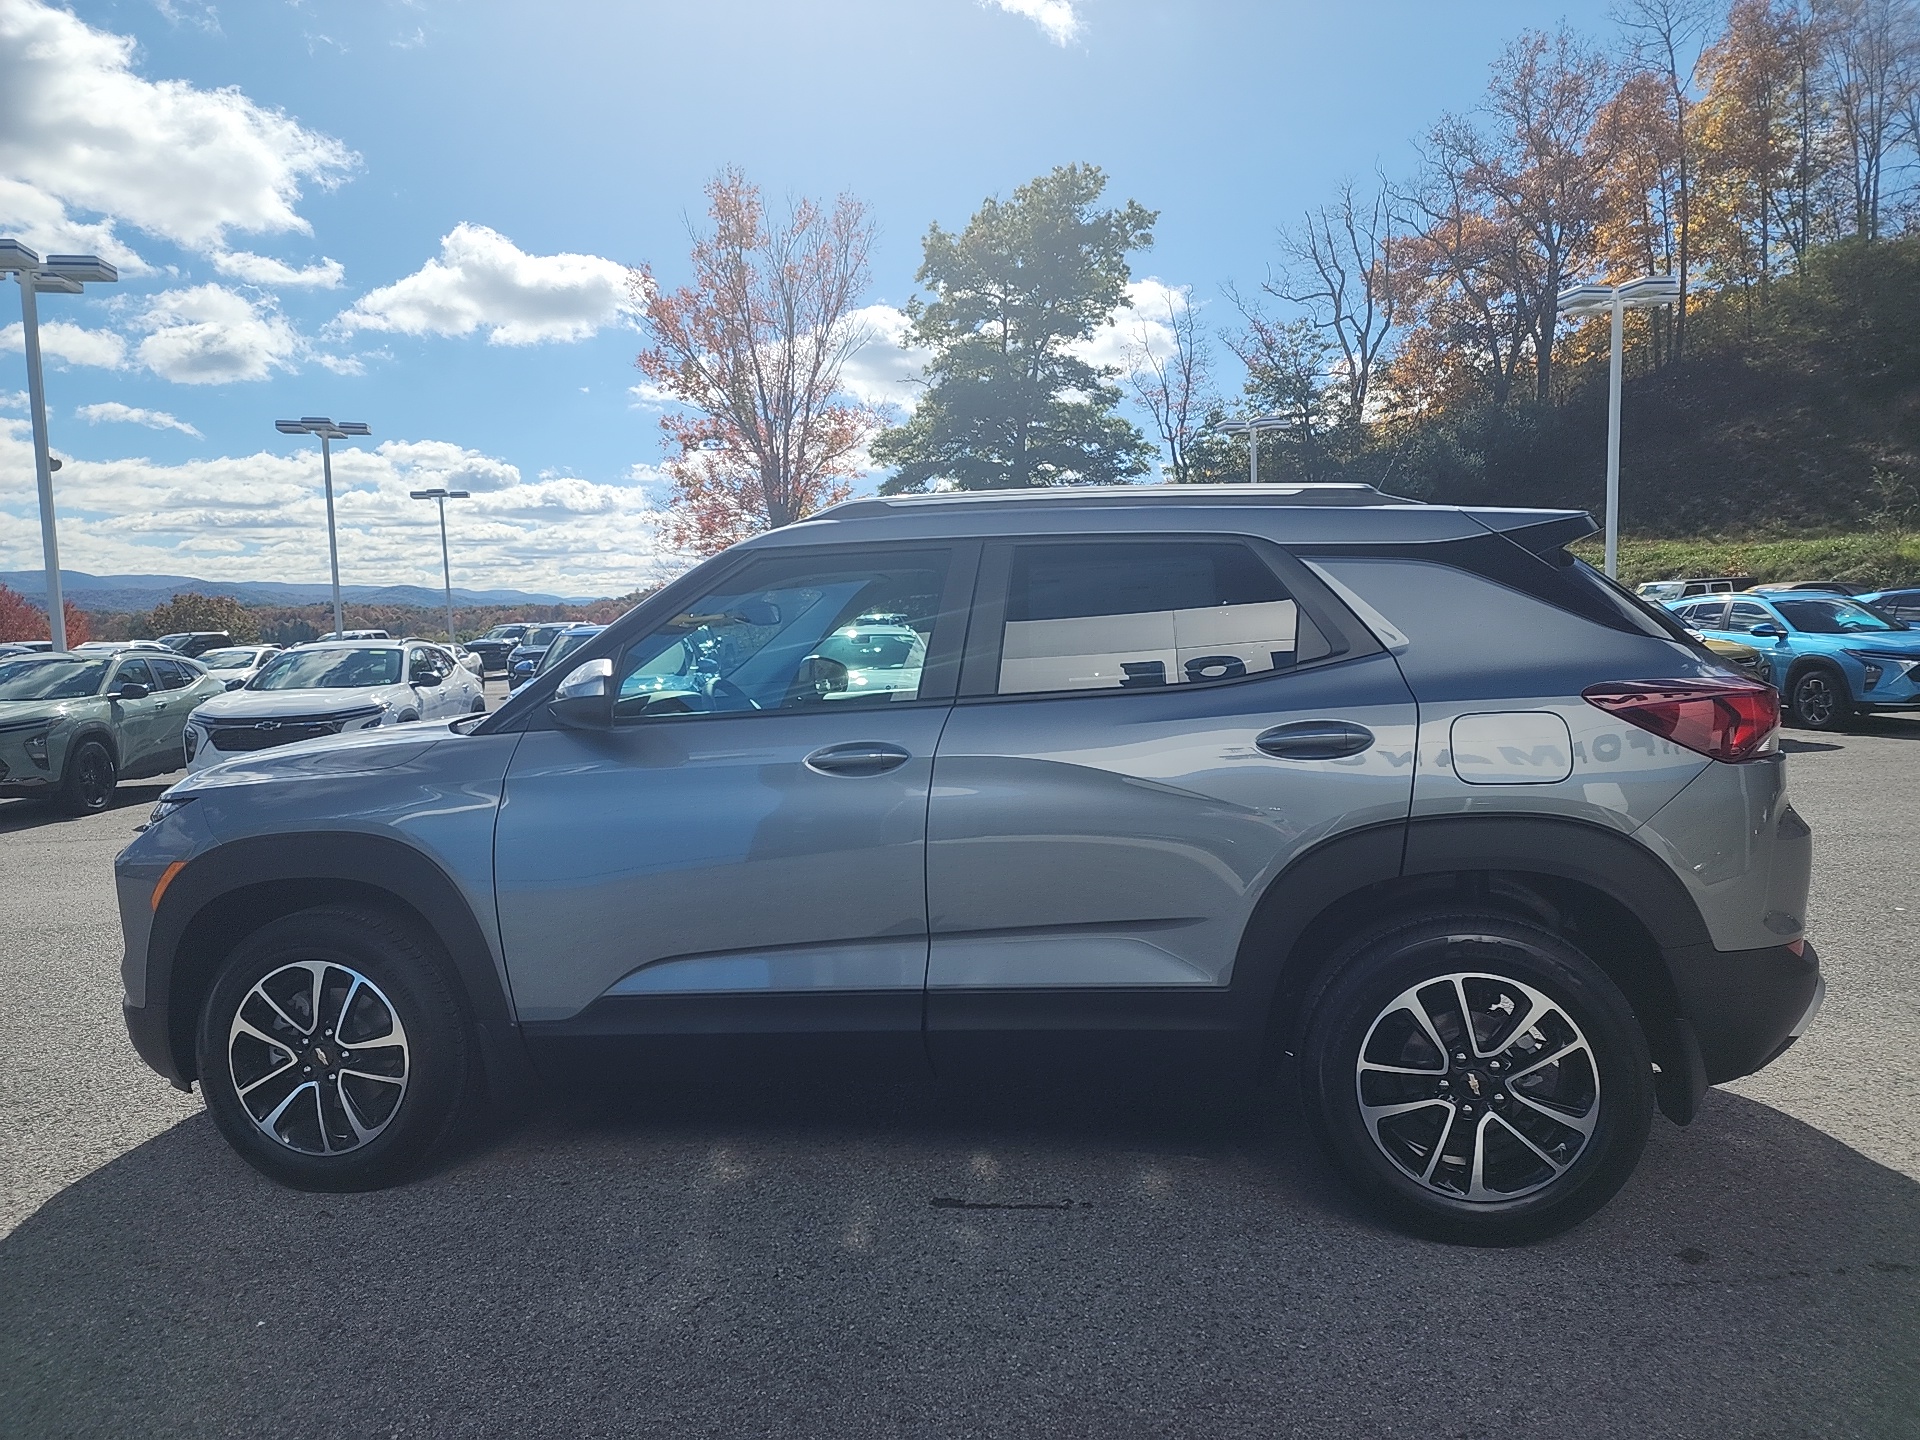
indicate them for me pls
(1136, 615)
(1745, 615)
(1706, 615)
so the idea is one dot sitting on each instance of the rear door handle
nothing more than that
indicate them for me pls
(1314, 740)
(860, 757)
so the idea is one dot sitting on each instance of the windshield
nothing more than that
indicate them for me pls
(544, 636)
(329, 670)
(51, 679)
(227, 659)
(1834, 617)
(504, 632)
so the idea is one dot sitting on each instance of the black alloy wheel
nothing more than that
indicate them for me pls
(1478, 1077)
(87, 787)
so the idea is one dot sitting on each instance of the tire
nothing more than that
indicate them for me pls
(479, 705)
(305, 1118)
(1554, 1139)
(87, 786)
(1817, 698)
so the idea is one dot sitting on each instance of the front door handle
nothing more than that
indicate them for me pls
(1314, 740)
(860, 757)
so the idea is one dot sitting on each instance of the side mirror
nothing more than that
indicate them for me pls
(236, 684)
(584, 700)
(130, 690)
(1768, 631)
(425, 677)
(820, 676)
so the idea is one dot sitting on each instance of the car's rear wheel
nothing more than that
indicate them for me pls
(1818, 699)
(1479, 1077)
(91, 777)
(332, 1051)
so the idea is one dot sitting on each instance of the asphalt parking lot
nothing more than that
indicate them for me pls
(875, 1261)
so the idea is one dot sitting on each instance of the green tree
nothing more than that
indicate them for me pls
(1010, 401)
(204, 612)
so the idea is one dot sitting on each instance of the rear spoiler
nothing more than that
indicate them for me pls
(1538, 532)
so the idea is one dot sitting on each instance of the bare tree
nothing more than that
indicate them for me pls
(1462, 263)
(755, 347)
(1344, 265)
(1869, 53)
(1513, 205)
(1173, 385)
(1669, 38)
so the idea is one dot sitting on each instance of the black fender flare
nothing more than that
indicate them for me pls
(264, 876)
(1354, 878)
(1602, 859)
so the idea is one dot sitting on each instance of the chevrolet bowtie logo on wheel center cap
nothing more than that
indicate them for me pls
(1473, 1081)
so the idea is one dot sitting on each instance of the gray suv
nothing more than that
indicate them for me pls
(1491, 856)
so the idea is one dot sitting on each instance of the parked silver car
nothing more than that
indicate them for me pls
(1401, 795)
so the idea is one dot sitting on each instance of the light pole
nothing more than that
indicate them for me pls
(55, 275)
(446, 566)
(328, 431)
(1252, 428)
(1583, 302)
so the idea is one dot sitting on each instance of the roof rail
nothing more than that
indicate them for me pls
(1341, 493)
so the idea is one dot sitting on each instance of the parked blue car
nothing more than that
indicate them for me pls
(1830, 657)
(1901, 604)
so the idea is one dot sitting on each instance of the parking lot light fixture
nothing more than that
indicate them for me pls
(1252, 427)
(55, 275)
(1585, 302)
(328, 431)
(443, 495)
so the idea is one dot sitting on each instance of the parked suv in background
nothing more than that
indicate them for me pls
(1831, 657)
(73, 725)
(332, 687)
(530, 650)
(1205, 776)
(494, 646)
(195, 643)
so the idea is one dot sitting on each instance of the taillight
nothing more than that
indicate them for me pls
(1729, 720)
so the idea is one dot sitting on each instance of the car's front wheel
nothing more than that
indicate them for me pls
(332, 1051)
(1818, 699)
(1478, 1076)
(90, 780)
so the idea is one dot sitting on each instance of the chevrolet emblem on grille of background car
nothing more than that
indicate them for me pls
(267, 725)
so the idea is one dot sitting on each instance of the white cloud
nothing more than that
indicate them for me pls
(60, 340)
(1116, 345)
(209, 334)
(113, 410)
(83, 132)
(1054, 17)
(264, 270)
(884, 371)
(483, 280)
(263, 517)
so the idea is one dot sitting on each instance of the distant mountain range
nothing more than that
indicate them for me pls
(143, 592)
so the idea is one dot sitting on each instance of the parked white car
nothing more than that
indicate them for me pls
(330, 687)
(237, 662)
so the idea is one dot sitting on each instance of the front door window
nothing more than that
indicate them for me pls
(793, 633)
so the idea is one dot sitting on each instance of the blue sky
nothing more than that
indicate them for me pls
(414, 212)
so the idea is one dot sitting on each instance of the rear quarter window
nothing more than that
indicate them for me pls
(1469, 637)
